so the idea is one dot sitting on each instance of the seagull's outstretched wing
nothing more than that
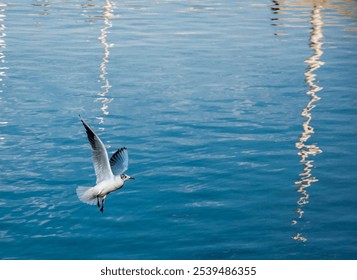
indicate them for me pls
(100, 156)
(119, 161)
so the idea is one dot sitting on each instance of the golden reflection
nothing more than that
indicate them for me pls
(108, 9)
(343, 7)
(307, 150)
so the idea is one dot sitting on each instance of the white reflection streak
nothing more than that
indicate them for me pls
(2, 57)
(2, 43)
(307, 150)
(107, 15)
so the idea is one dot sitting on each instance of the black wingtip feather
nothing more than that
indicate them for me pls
(90, 133)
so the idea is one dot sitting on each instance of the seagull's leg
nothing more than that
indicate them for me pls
(103, 200)
(98, 203)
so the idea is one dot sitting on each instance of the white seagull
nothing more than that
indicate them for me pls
(110, 173)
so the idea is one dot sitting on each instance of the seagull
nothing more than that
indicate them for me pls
(110, 173)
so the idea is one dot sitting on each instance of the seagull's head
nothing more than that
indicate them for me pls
(126, 177)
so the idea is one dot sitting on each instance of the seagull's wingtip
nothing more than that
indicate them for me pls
(83, 121)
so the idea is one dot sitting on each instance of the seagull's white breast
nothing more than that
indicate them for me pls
(108, 186)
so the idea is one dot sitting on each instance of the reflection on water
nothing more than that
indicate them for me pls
(275, 8)
(108, 9)
(44, 5)
(2, 56)
(344, 7)
(2, 44)
(307, 150)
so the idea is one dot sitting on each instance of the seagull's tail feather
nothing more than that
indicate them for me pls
(87, 195)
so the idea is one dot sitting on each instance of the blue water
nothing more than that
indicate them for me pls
(239, 118)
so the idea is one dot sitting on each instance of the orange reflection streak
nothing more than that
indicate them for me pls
(307, 150)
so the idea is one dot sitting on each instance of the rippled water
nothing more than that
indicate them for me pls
(239, 118)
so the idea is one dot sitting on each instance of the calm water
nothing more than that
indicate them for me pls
(239, 118)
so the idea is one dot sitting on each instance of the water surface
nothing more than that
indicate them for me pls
(239, 118)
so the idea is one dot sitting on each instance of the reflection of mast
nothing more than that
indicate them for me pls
(2, 44)
(2, 56)
(45, 5)
(275, 9)
(306, 150)
(107, 15)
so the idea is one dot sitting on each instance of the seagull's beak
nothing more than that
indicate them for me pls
(132, 178)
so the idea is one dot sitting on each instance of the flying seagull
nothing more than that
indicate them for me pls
(110, 173)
